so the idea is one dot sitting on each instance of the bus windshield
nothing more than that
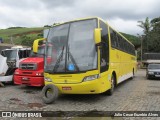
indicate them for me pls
(74, 47)
(10, 54)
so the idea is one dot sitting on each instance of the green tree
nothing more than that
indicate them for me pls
(154, 35)
(27, 40)
(151, 39)
(156, 24)
(146, 26)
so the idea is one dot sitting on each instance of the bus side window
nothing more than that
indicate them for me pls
(104, 47)
(121, 43)
(113, 36)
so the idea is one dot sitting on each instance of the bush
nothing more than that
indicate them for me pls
(27, 40)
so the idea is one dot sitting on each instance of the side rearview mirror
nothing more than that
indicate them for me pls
(97, 35)
(35, 44)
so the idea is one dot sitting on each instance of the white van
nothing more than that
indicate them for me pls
(9, 60)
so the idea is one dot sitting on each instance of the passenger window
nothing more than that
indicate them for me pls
(113, 36)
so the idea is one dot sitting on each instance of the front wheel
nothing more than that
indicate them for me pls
(111, 90)
(49, 93)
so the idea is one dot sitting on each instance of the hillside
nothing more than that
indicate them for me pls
(25, 36)
(18, 32)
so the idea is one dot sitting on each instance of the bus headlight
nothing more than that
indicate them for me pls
(47, 79)
(92, 77)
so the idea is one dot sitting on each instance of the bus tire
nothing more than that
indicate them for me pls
(53, 92)
(113, 80)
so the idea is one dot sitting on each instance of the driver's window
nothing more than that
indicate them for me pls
(104, 47)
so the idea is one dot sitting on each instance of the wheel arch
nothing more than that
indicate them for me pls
(115, 76)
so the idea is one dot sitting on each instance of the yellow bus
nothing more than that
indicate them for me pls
(88, 57)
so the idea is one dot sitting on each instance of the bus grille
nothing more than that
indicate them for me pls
(28, 66)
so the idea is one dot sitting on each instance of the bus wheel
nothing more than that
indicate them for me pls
(110, 91)
(49, 93)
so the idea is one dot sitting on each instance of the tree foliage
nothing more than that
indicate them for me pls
(154, 36)
(151, 36)
(145, 25)
(27, 40)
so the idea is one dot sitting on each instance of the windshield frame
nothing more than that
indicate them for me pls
(67, 49)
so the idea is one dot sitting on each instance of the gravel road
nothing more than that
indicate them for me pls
(138, 94)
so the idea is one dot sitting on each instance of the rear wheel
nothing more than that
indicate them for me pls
(111, 90)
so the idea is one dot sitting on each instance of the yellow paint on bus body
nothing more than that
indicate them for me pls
(122, 64)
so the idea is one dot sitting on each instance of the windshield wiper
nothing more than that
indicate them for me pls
(58, 61)
(72, 59)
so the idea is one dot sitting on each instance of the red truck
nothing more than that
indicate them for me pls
(30, 71)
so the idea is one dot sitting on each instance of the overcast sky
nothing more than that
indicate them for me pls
(121, 14)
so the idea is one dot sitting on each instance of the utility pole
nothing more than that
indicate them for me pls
(141, 38)
(11, 40)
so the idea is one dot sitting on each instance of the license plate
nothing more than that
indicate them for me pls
(25, 78)
(66, 88)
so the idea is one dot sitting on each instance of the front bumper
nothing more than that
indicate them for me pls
(29, 81)
(88, 87)
(6, 78)
(153, 76)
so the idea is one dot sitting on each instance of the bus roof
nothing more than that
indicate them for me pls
(98, 19)
(76, 20)
(116, 31)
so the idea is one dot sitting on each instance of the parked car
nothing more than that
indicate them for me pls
(153, 71)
